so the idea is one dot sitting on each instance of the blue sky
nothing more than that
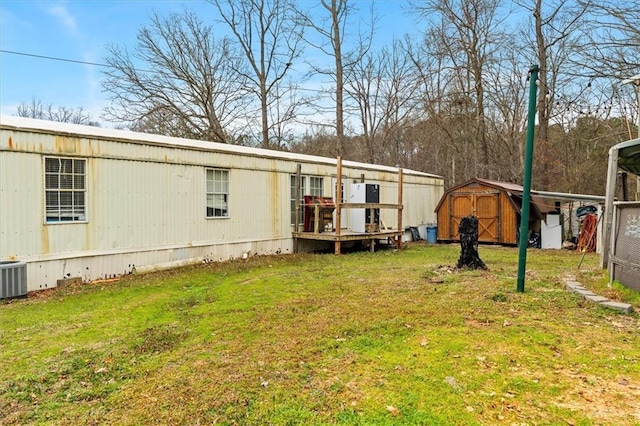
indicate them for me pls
(81, 30)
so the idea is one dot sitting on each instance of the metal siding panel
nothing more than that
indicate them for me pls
(146, 204)
(165, 144)
(420, 198)
(21, 198)
(258, 209)
(44, 274)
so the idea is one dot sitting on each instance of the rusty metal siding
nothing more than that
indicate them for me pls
(146, 201)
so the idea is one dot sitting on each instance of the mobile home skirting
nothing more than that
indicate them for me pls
(96, 203)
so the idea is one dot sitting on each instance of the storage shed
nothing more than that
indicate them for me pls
(89, 202)
(496, 205)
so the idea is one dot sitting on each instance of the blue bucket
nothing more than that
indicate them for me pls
(432, 234)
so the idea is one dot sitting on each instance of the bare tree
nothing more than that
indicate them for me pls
(331, 27)
(384, 89)
(37, 109)
(506, 114)
(401, 90)
(179, 81)
(466, 34)
(316, 141)
(555, 30)
(441, 132)
(614, 49)
(364, 87)
(284, 111)
(269, 37)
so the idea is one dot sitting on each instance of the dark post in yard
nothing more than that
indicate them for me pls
(469, 257)
(526, 185)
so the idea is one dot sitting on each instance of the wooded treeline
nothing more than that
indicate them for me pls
(449, 97)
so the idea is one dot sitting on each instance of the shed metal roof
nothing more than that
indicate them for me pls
(517, 189)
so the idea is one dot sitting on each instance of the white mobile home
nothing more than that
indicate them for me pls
(79, 201)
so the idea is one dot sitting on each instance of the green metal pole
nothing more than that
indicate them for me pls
(528, 165)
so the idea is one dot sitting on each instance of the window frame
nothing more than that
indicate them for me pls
(65, 203)
(216, 190)
(313, 189)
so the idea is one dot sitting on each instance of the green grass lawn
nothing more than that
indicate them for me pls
(393, 337)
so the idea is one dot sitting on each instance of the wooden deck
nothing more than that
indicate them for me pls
(323, 208)
(345, 235)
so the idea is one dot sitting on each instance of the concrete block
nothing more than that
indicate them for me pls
(618, 306)
(597, 299)
(583, 292)
(575, 287)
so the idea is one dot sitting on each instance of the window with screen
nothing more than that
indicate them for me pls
(217, 193)
(65, 191)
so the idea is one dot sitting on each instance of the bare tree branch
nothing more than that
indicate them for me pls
(270, 38)
(331, 28)
(37, 109)
(179, 80)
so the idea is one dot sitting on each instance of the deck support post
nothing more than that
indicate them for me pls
(296, 226)
(398, 241)
(338, 203)
(337, 237)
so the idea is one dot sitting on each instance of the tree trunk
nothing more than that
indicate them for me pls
(337, 47)
(469, 257)
(543, 112)
(264, 113)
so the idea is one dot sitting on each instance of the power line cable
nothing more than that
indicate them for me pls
(75, 61)
(52, 58)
